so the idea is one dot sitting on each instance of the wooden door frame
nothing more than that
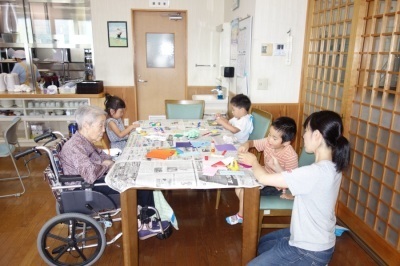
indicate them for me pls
(135, 83)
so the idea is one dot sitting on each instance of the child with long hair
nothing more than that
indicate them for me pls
(310, 240)
(115, 129)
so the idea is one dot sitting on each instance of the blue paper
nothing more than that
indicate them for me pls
(198, 144)
(183, 144)
(178, 151)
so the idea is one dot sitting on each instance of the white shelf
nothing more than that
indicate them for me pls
(49, 118)
(55, 122)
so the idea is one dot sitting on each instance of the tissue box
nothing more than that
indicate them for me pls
(90, 87)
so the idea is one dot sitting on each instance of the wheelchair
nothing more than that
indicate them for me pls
(77, 235)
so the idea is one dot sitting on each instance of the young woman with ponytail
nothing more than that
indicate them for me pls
(310, 240)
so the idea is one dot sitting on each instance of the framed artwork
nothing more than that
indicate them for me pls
(235, 4)
(117, 34)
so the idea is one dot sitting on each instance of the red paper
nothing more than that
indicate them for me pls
(218, 164)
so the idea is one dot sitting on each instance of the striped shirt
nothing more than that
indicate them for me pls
(287, 157)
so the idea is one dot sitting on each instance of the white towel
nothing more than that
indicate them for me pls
(164, 209)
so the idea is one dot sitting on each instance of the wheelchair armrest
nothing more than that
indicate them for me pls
(70, 178)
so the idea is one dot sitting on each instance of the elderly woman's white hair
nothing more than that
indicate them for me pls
(88, 114)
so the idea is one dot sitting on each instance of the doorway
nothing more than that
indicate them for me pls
(160, 45)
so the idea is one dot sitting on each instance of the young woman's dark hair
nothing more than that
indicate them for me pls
(241, 101)
(113, 102)
(330, 125)
(287, 127)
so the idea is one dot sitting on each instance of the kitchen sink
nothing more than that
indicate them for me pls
(212, 104)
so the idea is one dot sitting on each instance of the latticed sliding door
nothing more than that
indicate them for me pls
(328, 47)
(351, 67)
(370, 193)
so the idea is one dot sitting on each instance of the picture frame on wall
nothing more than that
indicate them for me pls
(235, 4)
(117, 34)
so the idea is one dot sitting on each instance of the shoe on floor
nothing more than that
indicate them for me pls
(234, 219)
(152, 229)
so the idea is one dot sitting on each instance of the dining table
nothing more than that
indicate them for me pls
(169, 154)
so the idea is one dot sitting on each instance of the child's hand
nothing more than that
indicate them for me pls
(244, 147)
(221, 120)
(247, 158)
(273, 163)
(133, 127)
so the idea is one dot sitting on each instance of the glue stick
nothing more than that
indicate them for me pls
(212, 147)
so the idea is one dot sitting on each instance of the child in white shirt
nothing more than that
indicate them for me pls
(241, 125)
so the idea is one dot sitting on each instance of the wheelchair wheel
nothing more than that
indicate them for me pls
(71, 239)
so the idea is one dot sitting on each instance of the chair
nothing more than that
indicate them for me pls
(7, 149)
(184, 109)
(261, 122)
(275, 206)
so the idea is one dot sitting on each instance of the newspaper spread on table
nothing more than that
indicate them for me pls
(183, 170)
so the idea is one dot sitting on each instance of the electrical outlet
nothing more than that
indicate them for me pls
(159, 3)
(126, 121)
(262, 84)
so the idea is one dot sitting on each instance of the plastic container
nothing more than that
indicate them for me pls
(220, 93)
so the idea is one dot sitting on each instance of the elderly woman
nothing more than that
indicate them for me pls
(79, 155)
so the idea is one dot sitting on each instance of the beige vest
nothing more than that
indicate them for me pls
(28, 74)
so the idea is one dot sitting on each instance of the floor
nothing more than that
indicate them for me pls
(203, 238)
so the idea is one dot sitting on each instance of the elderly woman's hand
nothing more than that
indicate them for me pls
(247, 158)
(108, 163)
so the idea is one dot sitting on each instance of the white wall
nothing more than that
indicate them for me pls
(115, 65)
(272, 19)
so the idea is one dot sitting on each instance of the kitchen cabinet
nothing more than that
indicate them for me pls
(40, 112)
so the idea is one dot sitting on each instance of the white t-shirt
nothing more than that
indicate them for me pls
(245, 124)
(316, 189)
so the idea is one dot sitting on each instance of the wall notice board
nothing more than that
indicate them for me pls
(241, 53)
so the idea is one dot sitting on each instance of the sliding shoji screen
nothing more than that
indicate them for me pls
(328, 47)
(352, 64)
(370, 191)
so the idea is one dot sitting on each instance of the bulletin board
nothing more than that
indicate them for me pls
(241, 53)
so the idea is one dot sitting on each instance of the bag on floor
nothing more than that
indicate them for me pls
(164, 209)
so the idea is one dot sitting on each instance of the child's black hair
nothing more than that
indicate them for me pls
(286, 126)
(113, 102)
(330, 125)
(241, 101)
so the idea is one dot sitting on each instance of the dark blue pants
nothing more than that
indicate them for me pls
(274, 249)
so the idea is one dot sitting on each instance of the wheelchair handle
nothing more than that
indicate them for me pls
(24, 153)
(44, 136)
